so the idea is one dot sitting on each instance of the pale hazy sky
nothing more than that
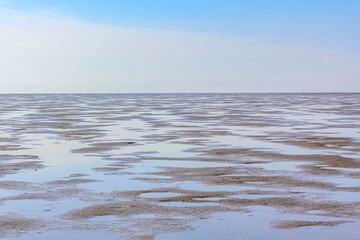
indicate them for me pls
(182, 46)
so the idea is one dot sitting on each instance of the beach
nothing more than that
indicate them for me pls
(180, 166)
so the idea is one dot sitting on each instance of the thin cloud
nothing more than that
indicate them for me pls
(60, 54)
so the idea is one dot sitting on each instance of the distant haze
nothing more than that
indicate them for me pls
(59, 53)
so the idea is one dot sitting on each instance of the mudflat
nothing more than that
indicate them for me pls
(175, 166)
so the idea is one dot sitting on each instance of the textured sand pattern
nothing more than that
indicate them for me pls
(136, 166)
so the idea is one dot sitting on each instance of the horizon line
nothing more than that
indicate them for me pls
(68, 93)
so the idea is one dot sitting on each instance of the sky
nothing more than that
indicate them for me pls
(49, 46)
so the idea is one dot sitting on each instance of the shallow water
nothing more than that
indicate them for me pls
(256, 226)
(186, 160)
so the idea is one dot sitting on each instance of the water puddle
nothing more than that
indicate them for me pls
(160, 195)
(280, 166)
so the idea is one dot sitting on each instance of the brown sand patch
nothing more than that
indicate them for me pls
(300, 205)
(288, 199)
(55, 125)
(91, 149)
(195, 174)
(12, 168)
(21, 165)
(134, 207)
(323, 142)
(154, 180)
(197, 159)
(197, 142)
(53, 195)
(329, 160)
(81, 134)
(9, 139)
(186, 195)
(72, 181)
(102, 147)
(15, 225)
(320, 170)
(11, 147)
(254, 162)
(120, 164)
(290, 224)
(17, 185)
(274, 181)
(232, 176)
(15, 157)
(161, 138)
(135, 227)
(113, 144)
(106, 169)
(76, 175)
(202, 133)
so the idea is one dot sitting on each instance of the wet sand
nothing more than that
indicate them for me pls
(169, 166)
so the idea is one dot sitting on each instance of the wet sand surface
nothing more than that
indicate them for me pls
(180, 166)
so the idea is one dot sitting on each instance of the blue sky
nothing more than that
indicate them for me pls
(328, 17)
(318, 28)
